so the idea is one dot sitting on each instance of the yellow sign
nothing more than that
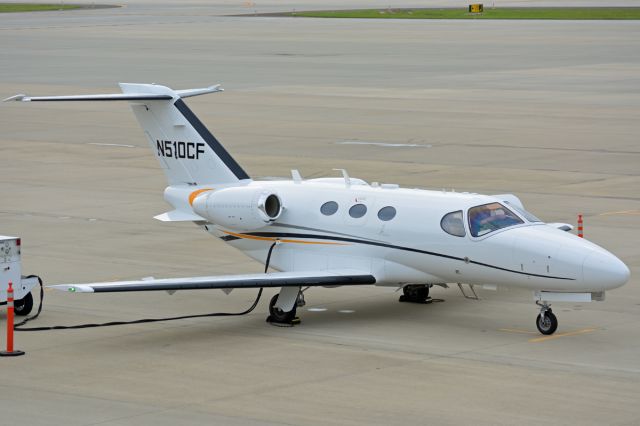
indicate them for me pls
(476, 8)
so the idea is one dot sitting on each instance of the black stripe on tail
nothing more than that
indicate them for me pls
(211, 140)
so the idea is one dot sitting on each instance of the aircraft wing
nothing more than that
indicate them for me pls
(335, 277)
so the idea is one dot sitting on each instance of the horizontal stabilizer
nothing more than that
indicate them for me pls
(104, 97)
(275, 279)
(187, 93)
(179, 216)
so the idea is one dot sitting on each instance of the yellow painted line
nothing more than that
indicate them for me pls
(515, 330)
(557, 336)
(622, 213)
(253, 237)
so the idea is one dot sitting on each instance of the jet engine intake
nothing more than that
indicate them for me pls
(239, 208)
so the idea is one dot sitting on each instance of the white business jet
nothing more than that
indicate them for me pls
(342, 231)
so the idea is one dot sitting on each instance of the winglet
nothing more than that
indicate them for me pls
(17, 98)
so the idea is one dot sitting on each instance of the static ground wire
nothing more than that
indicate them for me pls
(18, 326)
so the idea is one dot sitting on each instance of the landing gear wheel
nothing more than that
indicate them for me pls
(415, 293)
(547, 323)
(277, 315)
(23, 306)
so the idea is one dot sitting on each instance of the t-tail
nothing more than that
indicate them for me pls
(187, 151)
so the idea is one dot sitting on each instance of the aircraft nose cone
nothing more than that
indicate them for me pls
(604, 271)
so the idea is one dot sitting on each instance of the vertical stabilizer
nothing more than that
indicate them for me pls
(187, 151)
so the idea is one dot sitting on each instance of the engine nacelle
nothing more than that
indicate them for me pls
(240, 208)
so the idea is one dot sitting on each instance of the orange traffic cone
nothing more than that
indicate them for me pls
(580, 227)
(10, 351)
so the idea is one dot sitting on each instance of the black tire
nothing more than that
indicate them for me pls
(23, 306)
(278, 315)
(416, 293)
(549, 325)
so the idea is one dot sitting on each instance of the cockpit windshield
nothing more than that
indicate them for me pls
(490, 217)
(527, 215)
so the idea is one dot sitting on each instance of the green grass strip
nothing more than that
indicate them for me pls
(568, 13)
(31, 7)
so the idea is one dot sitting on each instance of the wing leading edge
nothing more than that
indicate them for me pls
(275, 279)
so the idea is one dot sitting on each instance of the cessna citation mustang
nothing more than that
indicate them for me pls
(342, 231)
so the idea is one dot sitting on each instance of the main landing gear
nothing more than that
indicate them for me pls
(278, 316)
(415, 293)
(546, 322)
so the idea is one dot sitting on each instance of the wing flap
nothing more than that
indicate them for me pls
(275, 279)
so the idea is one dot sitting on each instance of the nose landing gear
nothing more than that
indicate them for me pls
(546, 322)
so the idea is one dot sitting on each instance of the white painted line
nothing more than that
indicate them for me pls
(317, 309)
(346, 311)
(111, 144)
(622, 213)
(385, 144)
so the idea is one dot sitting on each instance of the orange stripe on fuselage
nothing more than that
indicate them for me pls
(194, 194)
(253, 237)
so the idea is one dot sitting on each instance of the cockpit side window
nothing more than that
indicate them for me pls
(453, 224)
(491, 217)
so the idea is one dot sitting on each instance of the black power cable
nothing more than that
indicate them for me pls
(146, 320)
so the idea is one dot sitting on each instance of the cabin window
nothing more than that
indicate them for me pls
(453, 224)
(491, 217)
(329, 208)
(357, 211)
(387, 213)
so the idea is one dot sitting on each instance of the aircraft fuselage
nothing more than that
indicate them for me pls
(412, 246)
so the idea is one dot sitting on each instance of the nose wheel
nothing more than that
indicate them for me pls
(546, 322)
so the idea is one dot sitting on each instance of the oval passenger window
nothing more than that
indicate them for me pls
(387, 213)
(329, 208)
(357, 211)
